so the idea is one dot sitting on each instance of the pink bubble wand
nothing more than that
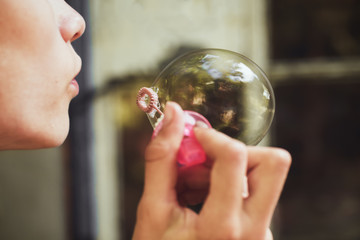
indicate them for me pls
(190, 151)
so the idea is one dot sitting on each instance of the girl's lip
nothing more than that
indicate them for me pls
(73, 83)
(75, 86)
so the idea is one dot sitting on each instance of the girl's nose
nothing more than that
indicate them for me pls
(72, 25)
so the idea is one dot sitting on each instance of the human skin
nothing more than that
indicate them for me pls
(37, 69)
(225, 214)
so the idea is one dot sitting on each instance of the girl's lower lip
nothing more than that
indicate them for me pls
(74, 84)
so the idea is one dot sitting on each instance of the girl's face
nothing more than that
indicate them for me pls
(37, 70)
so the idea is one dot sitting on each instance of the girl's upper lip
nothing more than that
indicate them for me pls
(76, 75)
(78, 68)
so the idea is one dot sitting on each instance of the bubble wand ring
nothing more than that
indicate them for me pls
(148, 105)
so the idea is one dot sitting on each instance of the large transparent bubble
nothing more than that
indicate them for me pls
(228, 89)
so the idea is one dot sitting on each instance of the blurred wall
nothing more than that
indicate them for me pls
(134, 35)
(315, 62)
(31, 195)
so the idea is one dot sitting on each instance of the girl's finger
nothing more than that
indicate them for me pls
(227, 174)
(268, 168)
(160, 156)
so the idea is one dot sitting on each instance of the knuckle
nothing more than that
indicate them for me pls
(158, 149)
(234, 146)
(280, 159)
(153, 212)
(234, 150)
(143, 210)
(284, 157)
(229, 230)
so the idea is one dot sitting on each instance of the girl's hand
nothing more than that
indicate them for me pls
(225, 213)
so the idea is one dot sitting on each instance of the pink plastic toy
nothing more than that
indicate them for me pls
(190, 151)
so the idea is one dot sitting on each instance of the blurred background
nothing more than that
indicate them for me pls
(89, 188)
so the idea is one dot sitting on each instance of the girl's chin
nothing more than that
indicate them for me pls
(50, 138)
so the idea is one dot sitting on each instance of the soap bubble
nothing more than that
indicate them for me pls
(228, 89)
